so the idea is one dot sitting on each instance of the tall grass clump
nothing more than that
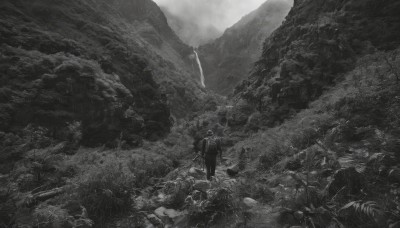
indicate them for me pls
(106, 192)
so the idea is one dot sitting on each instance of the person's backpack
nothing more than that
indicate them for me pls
(211, 145)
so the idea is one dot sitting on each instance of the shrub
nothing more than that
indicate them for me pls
(148, 167)
(74, 134)
(304, 138)
(50, 216)
(275, 150)
(106, 192)
(220, 203)
(36, 136)
(367, 213)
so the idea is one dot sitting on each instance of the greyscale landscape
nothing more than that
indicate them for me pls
(200, 113)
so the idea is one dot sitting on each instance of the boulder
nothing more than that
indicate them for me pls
(347, 179)
(175, 215)
(249, 202)
(233, 170)
(201, 185)
(196, 173)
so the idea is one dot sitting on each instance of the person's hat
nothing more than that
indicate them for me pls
(209, 132)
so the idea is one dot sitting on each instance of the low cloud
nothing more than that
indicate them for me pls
(199, 21)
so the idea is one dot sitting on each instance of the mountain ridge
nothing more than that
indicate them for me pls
(229, 58)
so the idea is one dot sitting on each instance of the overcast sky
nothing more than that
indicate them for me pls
(198, 21)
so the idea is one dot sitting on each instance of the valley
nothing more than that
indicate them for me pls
(103, 110)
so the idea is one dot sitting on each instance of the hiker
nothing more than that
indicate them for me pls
(210, 148)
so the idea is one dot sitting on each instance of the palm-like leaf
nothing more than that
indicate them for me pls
(368, 208)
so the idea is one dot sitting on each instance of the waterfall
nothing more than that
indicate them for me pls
(201, 69)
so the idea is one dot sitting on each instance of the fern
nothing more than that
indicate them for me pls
(369, 208)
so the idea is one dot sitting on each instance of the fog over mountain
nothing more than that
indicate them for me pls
(199, 21)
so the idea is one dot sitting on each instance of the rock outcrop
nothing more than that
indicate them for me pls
(228, 59)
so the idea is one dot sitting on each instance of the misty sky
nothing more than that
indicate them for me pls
(198, 21)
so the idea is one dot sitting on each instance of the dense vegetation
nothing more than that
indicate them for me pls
(100, 116)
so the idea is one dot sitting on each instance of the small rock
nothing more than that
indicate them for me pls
(298, 215)
(171, 213)
(160, 212)
(233, 170)
(140, 203)
(201, 185)
(249, 202)
(196, 173)
(74, 208)
(155, 220)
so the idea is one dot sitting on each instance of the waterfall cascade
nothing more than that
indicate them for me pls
(201, 69)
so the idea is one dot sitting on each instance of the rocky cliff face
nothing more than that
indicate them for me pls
(114, 66)
(229, 58)
(318, 42)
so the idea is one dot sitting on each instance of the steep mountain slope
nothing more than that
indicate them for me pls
(318, 42)
(229, 58)
(93, 62)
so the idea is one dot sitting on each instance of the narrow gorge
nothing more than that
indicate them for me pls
(108, 106)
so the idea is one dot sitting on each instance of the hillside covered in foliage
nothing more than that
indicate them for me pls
(100, 115)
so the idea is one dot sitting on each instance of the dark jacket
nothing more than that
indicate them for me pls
(203, 146)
